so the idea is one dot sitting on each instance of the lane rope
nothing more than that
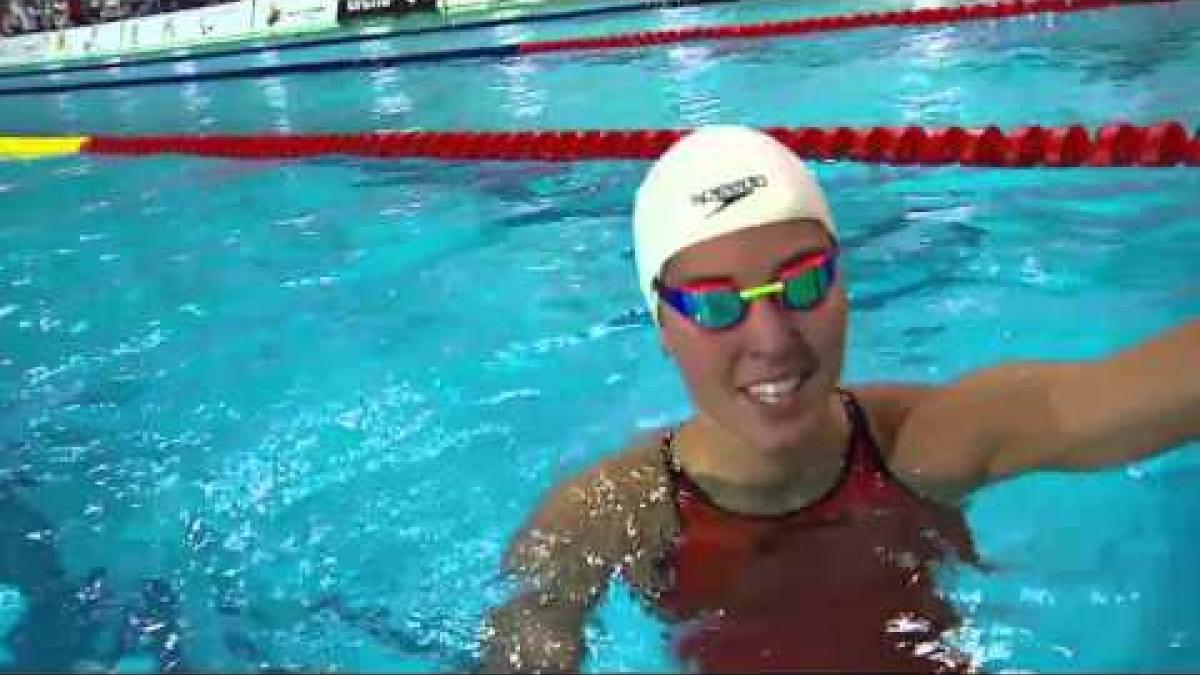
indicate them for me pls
(1166, 144)
(122, 62)
(35, 147)
(900, 18)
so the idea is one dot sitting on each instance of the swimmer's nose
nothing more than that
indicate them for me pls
(769, 327)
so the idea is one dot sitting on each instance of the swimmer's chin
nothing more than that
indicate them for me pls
(776, 428)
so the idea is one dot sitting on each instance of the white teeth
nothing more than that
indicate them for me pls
(773, 392)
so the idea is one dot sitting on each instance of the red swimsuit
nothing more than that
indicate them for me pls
(842, 584)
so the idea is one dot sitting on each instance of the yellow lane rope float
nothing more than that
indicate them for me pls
(38, 147)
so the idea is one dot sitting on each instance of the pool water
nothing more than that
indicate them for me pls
(294, 410)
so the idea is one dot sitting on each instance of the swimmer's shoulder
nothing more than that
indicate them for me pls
(922, 435)
(627, 474)
(888, 406)
(649, 518)
(599, 499)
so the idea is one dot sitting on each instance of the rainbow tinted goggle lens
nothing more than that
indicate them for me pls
(717, 305)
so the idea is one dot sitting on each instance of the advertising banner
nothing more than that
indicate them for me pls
(350, 10)
(228, 20)
(102, 38)
(149, 32)
(199, 25)
(294, 15)
(24, 49)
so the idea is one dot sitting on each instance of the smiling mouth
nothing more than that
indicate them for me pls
(777, 391)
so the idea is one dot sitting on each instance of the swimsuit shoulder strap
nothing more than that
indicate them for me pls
(865, 450)
(666, 449)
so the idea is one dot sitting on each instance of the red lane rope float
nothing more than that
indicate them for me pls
(914, 17)
(1160, 145)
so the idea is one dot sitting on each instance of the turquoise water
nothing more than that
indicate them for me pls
(269, 383)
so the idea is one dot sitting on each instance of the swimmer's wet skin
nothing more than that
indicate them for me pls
(792, 524)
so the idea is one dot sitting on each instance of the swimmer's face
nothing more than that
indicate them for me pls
(800, 352)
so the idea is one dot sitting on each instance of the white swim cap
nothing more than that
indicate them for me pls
(717, 180)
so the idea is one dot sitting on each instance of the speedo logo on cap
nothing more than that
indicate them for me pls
(730, 193)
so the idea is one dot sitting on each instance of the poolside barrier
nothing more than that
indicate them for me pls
(916, 17)
(1165, 144)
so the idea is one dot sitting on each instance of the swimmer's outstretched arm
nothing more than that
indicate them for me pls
(561, 563)
(1077, 416)
(527, 636)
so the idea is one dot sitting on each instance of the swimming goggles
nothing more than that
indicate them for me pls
(719, 304)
